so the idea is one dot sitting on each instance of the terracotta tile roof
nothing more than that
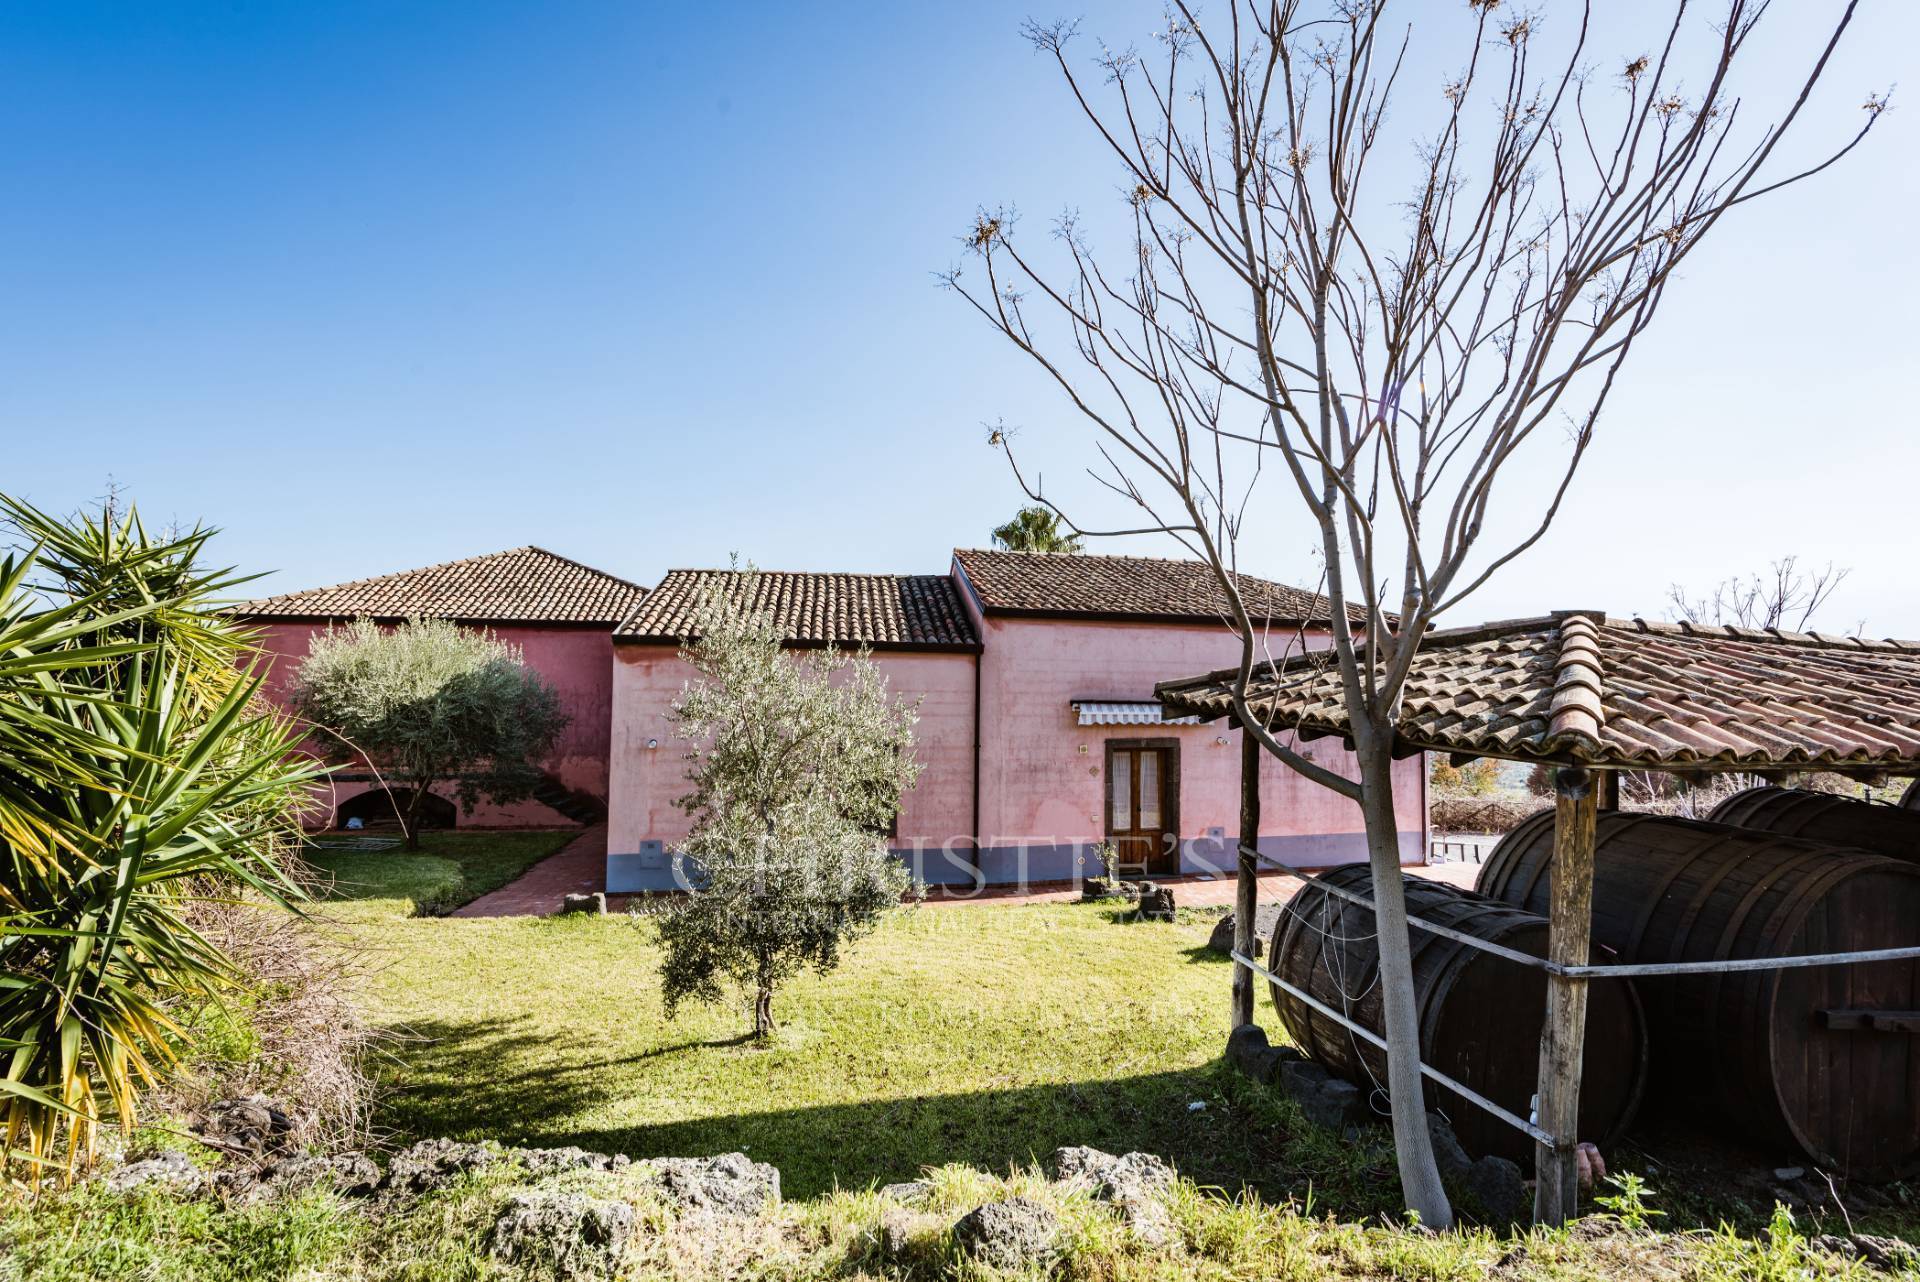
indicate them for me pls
(885, 611)
(1124, 587)
(1577, 686)
(523, 585)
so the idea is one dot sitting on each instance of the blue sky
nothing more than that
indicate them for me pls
(376, 285)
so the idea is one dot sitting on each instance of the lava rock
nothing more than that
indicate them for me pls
(1448, 1155)
(897, 1226)
(252, 1125)
(595, 904)
(729, 1185)
(433, 1164)
(907, 1192)
(1112, 1179)
(1249, 1051)
(1328, 1102)
(1009, 1235)
(1887, 1254)
(1135, 1183)
(349, 1174)
(571, 1235)
(554, 1161)
(1264, 922)
(1498, 1189)
(170, 1170)
(1156, 902)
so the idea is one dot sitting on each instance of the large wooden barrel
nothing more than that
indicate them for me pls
(1821, 816)
(1910, 799)
(1789, 1058)
(1480, 1015)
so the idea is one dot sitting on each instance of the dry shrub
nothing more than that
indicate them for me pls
(1479, 814)
(291, 1033)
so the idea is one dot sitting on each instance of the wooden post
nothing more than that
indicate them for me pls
(1607, 789)
(1246, 896)
(1562, 1037)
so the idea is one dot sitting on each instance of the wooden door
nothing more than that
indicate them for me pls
(1143, 821)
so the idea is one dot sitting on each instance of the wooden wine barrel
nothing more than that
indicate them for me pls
(1480, 1015)
(1820, 1058)
(1910, 799)
(1821, 816)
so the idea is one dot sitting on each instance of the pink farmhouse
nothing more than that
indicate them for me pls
(1038, 727)
(1039, 736)
(559, 613)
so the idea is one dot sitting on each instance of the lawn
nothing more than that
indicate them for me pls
(449, 869)
(970, 1040)
(984, 1035)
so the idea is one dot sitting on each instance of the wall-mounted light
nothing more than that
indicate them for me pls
(652, 744)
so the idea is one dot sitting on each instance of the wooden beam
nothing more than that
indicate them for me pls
(1246, 891)
(1607, 789)
(1563, 1035)
(1879, 1021)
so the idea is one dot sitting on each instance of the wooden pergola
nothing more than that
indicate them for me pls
(1591, 696)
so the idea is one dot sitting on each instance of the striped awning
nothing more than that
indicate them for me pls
(1128, 712)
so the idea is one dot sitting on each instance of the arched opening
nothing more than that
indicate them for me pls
(382, 808)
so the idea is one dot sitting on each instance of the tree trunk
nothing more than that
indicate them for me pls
(1420, 1183)
(410, 820)
(1246, 897)
(763, 1012)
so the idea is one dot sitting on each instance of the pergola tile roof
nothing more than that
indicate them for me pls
(884, 611)
(1578, 687)
(1058, 584)
(521, 585)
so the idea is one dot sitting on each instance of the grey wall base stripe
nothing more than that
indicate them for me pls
(1021, 864)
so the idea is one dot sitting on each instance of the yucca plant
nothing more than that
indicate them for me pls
(137, 773)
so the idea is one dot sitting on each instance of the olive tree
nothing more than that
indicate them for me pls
(1382, 306)
(797, 762)
(430, 702)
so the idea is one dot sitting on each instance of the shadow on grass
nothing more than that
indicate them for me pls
(461, 1082)
(490, 1079)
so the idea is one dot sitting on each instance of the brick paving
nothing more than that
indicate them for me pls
(1188, 892)
(580, 867)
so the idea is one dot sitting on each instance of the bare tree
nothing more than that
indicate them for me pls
(1385, 346)
(1782, 596)
(1785, 596)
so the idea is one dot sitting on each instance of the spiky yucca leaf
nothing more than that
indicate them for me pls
(136, 772)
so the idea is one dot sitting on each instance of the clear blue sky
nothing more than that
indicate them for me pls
(375, 285)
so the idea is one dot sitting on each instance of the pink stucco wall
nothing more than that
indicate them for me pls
(576, 661)
(1044, 782)
(1042, 775)
(645, 780)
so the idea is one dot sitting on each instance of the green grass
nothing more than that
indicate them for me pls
(156, 1237)
(960, 1044)
(91, 1236)
(982, 1035)
(988, 1036)
(450, 869)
